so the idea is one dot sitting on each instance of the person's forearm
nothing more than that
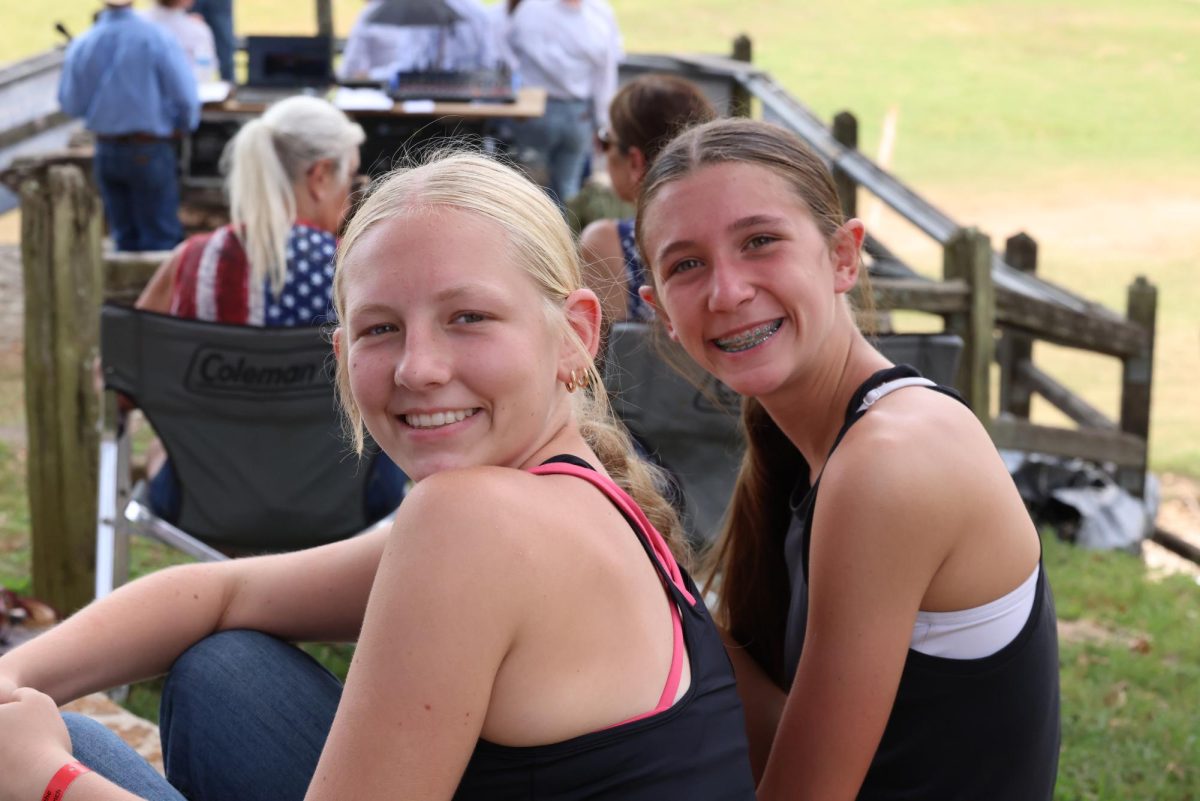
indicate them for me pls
(762, 704)
(135, 633)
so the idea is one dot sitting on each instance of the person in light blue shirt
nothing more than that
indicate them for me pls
(132, 85)
(377, 51)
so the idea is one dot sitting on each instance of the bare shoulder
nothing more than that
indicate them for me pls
(917, 435)
(486, 516)
(910, 470)
(600, 240)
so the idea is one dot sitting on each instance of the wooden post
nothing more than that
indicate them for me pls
(739, 98)
(968, 258)
(1021, 253)
(325, 18)
(845, 131)
(1142, 309)
(60, 250)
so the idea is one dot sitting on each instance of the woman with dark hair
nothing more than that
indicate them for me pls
(880, 580)
(643, 116)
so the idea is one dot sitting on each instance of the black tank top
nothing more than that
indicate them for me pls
(696, 749)
(971, 729)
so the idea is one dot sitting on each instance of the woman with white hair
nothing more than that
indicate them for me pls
(288, 176)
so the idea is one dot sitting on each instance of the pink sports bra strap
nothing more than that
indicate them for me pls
(665, 558)
(627, 505)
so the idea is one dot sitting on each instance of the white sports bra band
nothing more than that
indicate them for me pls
(977, 632)
(967, 633)
(888, 387)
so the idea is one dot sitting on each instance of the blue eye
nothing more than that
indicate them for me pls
(683, 265)
(376, 330)
(469, 317)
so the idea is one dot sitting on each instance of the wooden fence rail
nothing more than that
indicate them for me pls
(977, 306)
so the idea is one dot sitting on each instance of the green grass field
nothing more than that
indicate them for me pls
(1075, 121)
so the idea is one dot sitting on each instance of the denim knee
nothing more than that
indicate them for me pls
(242, 710)
(104, 752)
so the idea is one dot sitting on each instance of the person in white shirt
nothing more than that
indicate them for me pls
(570, 48)
(190, 32)
(376, 52)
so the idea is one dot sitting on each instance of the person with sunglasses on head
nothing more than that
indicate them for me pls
(524, 632)
(644, 116)
(879, 577)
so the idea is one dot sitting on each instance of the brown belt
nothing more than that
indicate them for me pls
(135, 138)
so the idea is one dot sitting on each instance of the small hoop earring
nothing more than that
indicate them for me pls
(570, 383)
(584, 380)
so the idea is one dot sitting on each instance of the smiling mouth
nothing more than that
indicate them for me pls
(749, 339)
(437, 419)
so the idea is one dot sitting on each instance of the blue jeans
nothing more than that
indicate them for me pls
(381, 495)
(139, 184)
(563, 139)
(218, 14)
(243, 715)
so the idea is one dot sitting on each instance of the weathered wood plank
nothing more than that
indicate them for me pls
(917, 294)
(126, 274)
(1062, 398)
(1015, 349)
(1176, 544)
(60, 246)
(968, 258)
(845, 131)
(1142, 310)
(1051, 322)
(325, 18)
(740, 97)
(1098, 446)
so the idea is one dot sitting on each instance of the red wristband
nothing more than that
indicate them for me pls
(62, 780)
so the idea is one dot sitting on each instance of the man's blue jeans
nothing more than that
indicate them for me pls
(139, 183)
(218, 14)
(562, 137)
(244, 716)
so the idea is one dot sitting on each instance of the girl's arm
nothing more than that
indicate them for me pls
(156, 296)
(139, 630)
(452, 589)
(879, 536)
(762, 704)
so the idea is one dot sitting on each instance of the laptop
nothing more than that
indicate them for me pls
(281, 66)
(461, 86)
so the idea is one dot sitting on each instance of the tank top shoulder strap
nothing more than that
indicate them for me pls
(660, 556)
(879, 385)
(664, 560)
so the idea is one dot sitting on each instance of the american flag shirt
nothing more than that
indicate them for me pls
(212, 281)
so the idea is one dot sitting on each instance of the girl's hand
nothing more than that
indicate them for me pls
(34, 744)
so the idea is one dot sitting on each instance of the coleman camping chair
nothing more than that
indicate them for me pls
(249, 422)
(690, 426)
